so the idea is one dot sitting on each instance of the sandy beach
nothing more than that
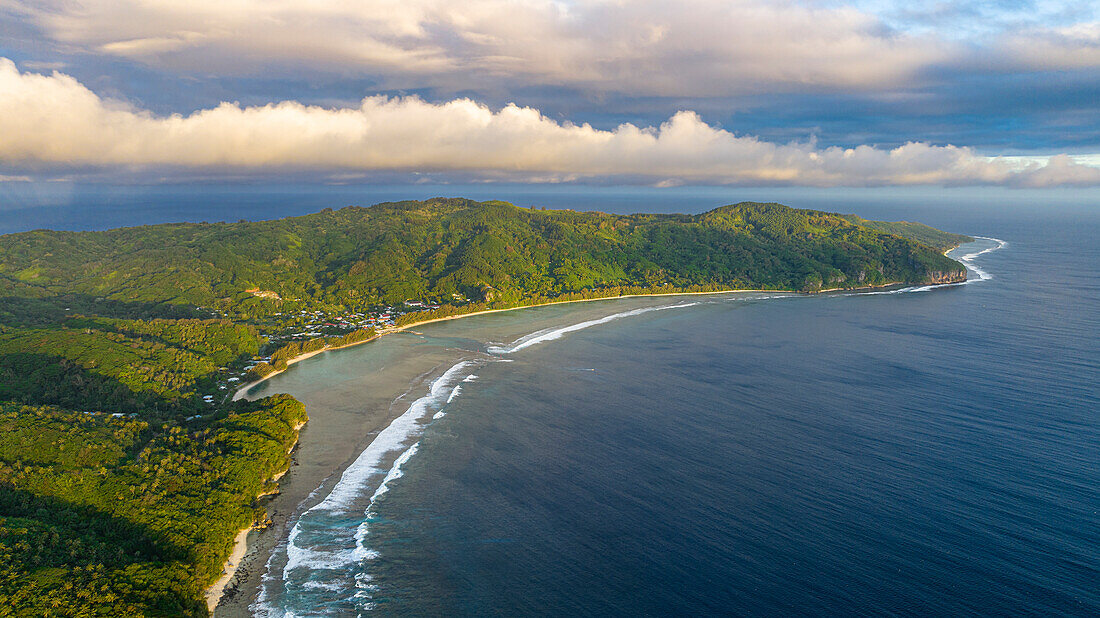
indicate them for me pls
(244, 388)
(215, 591)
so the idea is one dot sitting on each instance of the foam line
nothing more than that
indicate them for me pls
(354, 479)
(388, 440)
(968, 259)
(454, 393)
(362, 552)
(556, 333)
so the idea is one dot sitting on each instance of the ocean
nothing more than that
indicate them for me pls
(931, 450)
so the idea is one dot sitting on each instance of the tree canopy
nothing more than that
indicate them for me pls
(121, 488)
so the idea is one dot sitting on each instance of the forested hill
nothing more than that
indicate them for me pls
(432, 250)
(125, 472)
(914, 231)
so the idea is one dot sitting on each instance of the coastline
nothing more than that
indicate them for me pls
(216, 590)
(241, 557)
(244, 388)
(240, 390)
(248, 581)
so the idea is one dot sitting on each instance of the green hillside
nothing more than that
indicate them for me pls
(124, 472)
(359, 257)
(914, 231)
(108, 516)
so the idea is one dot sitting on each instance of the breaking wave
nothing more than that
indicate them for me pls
(967, 261)
(329, 540)
(556, 333)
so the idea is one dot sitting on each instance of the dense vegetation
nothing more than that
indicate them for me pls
(121, 489)
(109, 516)
(914, 231)
(359, 257)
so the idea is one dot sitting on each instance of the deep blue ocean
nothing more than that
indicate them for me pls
(922, 452)
(933, 453)
(926, 452)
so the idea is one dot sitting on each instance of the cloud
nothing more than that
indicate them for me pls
(645, 47)
(1058, 170)
(54, 124)
(1069, 47)
(691, 48)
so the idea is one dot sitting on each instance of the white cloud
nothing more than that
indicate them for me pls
(1068, 47)
(53, 123)
(690, 48)
(1060, 170)
(651, 47)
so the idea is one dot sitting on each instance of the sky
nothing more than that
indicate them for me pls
(816, 94)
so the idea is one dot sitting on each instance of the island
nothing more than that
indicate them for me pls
(128, 470)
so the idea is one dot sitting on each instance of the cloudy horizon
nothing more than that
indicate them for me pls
(744, 93)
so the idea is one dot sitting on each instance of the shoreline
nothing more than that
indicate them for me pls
(216, 590)
(240, 551)
(397, 329)
(240, 390)
(244, 388)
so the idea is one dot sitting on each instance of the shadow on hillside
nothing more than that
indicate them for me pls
(45, 379)
(46, 542)
(77, 535)
(21, 311)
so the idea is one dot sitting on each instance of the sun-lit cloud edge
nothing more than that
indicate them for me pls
(695, 48)
(698, 47)
(54, 125)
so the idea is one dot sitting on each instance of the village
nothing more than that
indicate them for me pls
(305, 325)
